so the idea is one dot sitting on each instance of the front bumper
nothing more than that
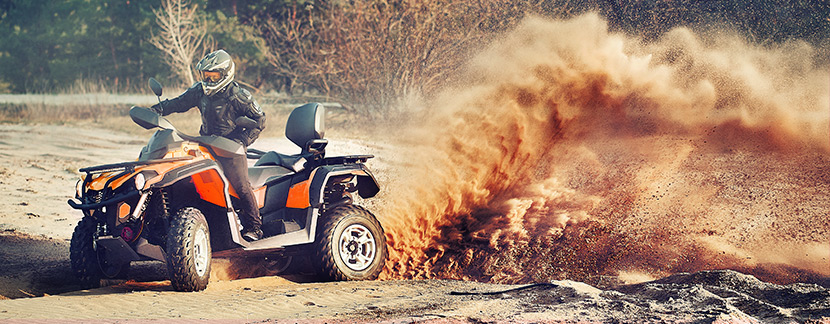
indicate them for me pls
(113, 200)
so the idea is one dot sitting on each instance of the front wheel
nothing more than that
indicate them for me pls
(351, 244)
(188, 250)
(88, 260)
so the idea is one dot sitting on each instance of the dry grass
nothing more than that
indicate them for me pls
(111, 111)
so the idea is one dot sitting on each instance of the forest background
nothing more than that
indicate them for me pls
(365, 54)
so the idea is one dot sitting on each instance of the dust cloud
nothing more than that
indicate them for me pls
(571, 152)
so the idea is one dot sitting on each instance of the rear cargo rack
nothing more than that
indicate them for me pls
(130, 166)
(348, 159)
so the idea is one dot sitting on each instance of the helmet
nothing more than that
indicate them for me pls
(216, 71)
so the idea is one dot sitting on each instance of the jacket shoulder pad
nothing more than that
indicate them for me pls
(242, 95)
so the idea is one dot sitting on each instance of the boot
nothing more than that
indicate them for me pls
(253, 234)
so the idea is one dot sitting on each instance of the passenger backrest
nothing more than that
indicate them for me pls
(306, 123)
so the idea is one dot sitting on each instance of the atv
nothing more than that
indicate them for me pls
(175, 205)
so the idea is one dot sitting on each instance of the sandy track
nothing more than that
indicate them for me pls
(39, 168)
(725, 296)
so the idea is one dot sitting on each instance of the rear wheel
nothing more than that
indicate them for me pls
(351, 244)
(188, 250)
(89, 262)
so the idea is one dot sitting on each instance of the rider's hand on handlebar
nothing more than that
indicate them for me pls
(156, 108)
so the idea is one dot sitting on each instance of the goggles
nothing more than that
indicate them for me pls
(211, 76)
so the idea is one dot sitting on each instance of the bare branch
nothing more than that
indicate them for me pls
(183, 34)
(372, 53)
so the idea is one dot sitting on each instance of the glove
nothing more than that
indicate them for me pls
(156, 108)
(238, 136)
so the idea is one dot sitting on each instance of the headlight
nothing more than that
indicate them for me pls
(140, 181)
(79, 189)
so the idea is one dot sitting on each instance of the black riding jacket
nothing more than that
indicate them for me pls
(219, 111)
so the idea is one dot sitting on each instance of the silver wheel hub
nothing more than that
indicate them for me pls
(357, 247)
(201, 253)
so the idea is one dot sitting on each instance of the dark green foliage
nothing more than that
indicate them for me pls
(50, 45)
(761, 21)
(244, 44)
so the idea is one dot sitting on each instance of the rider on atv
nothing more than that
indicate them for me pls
(221, 101)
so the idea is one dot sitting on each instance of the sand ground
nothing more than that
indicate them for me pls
(39, 169)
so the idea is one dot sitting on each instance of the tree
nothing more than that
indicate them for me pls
(54, 45)
(373, 53)
(244, 45)
(183, 34)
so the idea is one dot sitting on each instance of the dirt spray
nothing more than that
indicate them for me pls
(569, 151)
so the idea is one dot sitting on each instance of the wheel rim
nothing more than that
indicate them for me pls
(201, 252)
(357, 247)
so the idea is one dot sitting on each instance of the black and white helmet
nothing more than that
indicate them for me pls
(216, 71)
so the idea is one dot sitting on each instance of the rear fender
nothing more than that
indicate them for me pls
(307, 195)
(367, 186)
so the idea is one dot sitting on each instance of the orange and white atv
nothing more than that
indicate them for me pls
(174, 204)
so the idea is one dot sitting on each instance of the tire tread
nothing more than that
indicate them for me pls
(180, 257)
(82, 255)
(325, 257)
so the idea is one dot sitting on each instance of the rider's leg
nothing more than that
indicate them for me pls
(236, 170)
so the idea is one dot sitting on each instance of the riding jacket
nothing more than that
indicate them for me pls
(219, 111)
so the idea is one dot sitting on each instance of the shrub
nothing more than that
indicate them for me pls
(369, 54)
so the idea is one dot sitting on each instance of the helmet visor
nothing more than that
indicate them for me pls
(211, 76)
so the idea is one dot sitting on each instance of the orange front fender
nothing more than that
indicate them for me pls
(211, 187)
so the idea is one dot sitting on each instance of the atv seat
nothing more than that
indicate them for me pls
(259, 175)
(294, 163)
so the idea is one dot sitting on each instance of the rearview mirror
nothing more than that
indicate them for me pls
(155, 86)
